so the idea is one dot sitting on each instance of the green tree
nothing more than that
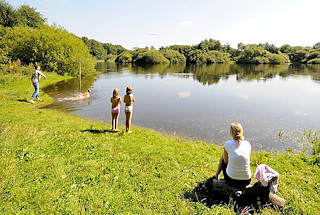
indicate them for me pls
(53, 48)
(252, 54)
(314, 61)
(316, 46)
(124, 57)
(314, 54)
(299, 54)
(8, 16)
(270, 48)
(218, 57)
(28, 16)
(278, 58)
(150, 57)
(173, 56)
(113, 49)
(96, 48)
(183, 49)
(285, 48)
(211, 44)
(196, 56)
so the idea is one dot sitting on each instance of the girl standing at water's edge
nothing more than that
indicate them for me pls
(35, 79)
(235, 161)
(128, 100)
(115, 108)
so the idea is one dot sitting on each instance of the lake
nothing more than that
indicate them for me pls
(200, 102)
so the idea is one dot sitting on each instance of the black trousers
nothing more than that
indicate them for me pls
(233, 182)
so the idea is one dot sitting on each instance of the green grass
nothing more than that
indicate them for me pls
(49, 165)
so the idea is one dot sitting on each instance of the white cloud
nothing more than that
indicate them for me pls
(186, 23)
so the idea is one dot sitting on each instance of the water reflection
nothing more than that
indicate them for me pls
(200, 101)
(213, 73)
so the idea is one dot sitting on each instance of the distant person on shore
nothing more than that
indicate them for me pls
(128, 100)
(235, 160)
(115, 109)
(35, 79)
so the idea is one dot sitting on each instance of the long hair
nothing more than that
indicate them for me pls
(236, 131)
(115, 93)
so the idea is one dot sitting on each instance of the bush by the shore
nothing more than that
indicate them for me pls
(53, 48)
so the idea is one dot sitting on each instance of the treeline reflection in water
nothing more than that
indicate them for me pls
(213, 73)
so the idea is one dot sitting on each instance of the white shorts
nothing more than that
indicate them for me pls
(128, 109)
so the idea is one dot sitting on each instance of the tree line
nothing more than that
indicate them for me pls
(212, 51)
(103, 51)
(26, 37)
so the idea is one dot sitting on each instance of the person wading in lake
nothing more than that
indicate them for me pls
(235, 160)
(128, 100)
(35, 79)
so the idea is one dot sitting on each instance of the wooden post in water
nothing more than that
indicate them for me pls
(79, 75)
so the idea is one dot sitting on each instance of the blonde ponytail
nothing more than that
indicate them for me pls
(236, 131)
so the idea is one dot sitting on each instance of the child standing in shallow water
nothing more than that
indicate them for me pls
(128, 100)
(115, 109)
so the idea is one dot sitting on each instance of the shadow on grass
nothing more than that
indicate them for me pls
(96, 131)
(22, 100)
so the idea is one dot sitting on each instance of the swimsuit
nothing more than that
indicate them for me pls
(128, 109)
(115, 110)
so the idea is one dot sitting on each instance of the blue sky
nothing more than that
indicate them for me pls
(140, 23)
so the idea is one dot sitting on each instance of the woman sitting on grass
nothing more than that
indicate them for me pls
(235, 160)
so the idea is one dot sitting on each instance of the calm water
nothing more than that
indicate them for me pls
(201, 101)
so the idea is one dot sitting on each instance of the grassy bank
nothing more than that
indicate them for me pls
(57, 163)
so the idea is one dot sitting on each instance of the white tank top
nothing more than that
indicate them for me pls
(238, 159)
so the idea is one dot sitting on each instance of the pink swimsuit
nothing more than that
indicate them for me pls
(115, 110)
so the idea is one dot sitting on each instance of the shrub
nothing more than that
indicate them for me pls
(173, 56)
(149, 57)
(278, 58)
(314, 61)
(196, 57)
(218, 57)
(124, 57)
(53, 48)
(314, 54)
